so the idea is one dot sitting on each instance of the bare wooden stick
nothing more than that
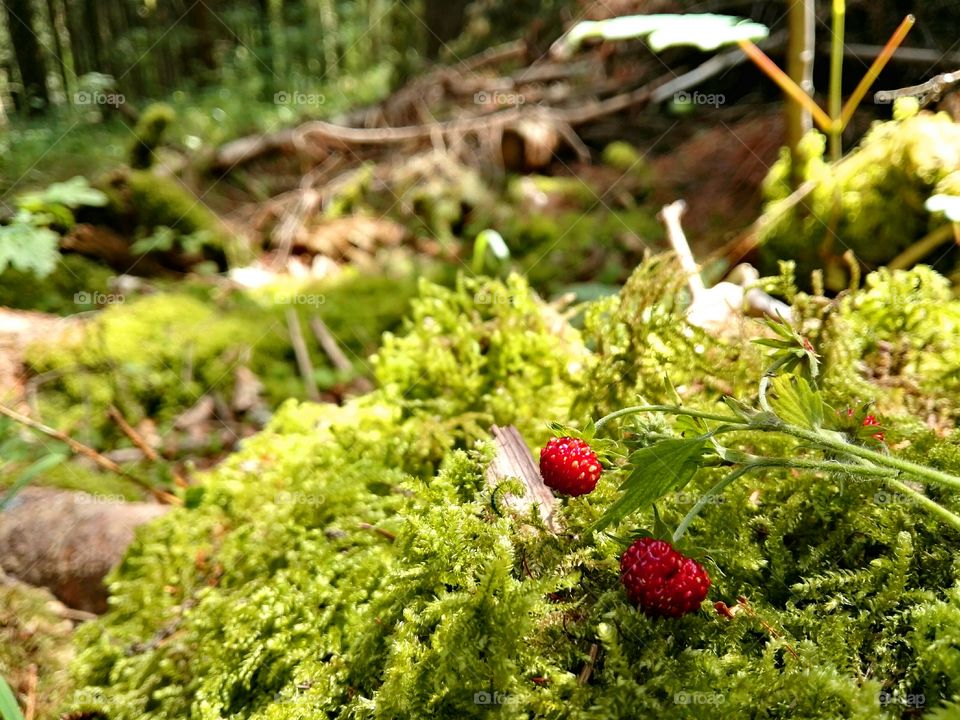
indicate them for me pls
(76, 446)
(924, 246)
(337, 357)
(513, 460)
(927, 92)
(135, 437)
(147, 451)
(79, 448)
(302, 355)
(329, 344)
(747, 240)
(584, 677)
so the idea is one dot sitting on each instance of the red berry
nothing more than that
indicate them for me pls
(660, 580)
(569, 466)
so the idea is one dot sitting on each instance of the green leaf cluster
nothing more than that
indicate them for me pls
(29, 242)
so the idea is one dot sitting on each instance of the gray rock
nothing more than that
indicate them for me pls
(68, 541)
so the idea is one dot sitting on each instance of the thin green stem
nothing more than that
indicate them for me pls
(830, 466)
(756, 462)
(934, 507)
(836, 79)
(670, 410)
(707, 499)
(892, 461)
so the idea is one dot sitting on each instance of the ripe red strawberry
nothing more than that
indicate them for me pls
(569, 466)
(660, 580)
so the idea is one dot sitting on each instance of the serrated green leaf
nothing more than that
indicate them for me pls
(781, 327)
(795, 402)
(28, 248)
(778, 344)
(71, 193)
(9, 710)
(657, 470)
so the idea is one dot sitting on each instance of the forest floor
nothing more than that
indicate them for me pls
(170, 360)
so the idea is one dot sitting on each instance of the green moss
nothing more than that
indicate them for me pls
(161, 201)
(871, 203)
(33, 638)
(627, 159)
(597, 245)
(349, 561)
(897, 341)
(149, 132)
(70, 288)
(156, 356)
(478, 354)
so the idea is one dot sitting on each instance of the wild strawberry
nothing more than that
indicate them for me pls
(569, 466)
(660, 580)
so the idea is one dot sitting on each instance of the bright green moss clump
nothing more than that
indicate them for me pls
(872, 202)
(157, 355)
(350, 562)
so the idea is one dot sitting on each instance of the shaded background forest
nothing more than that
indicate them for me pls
(231, 68)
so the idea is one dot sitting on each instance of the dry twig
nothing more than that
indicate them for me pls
(302, 354)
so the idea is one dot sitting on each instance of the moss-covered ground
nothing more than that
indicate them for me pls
(352, 562)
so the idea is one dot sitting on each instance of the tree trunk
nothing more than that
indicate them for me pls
(78, 41)
(91, 23)
(30, 62)
(58, 47)
(205, 26)
(445, 20)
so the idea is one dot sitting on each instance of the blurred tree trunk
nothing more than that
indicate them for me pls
(205, 25)
(160, 54)
(90, 22)
(328, 21)
(134, 77)
(79, 44)
(445, 20)
(265, 34)
(26, 49)
(58, 46)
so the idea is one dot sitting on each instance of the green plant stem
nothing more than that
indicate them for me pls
(671, 410)
(479, 254)
(888, 475)
(836, 79)
(935, 508)
(875, 69)
(707, 499)
(892, 461)
(756, 462)
(889, 470)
